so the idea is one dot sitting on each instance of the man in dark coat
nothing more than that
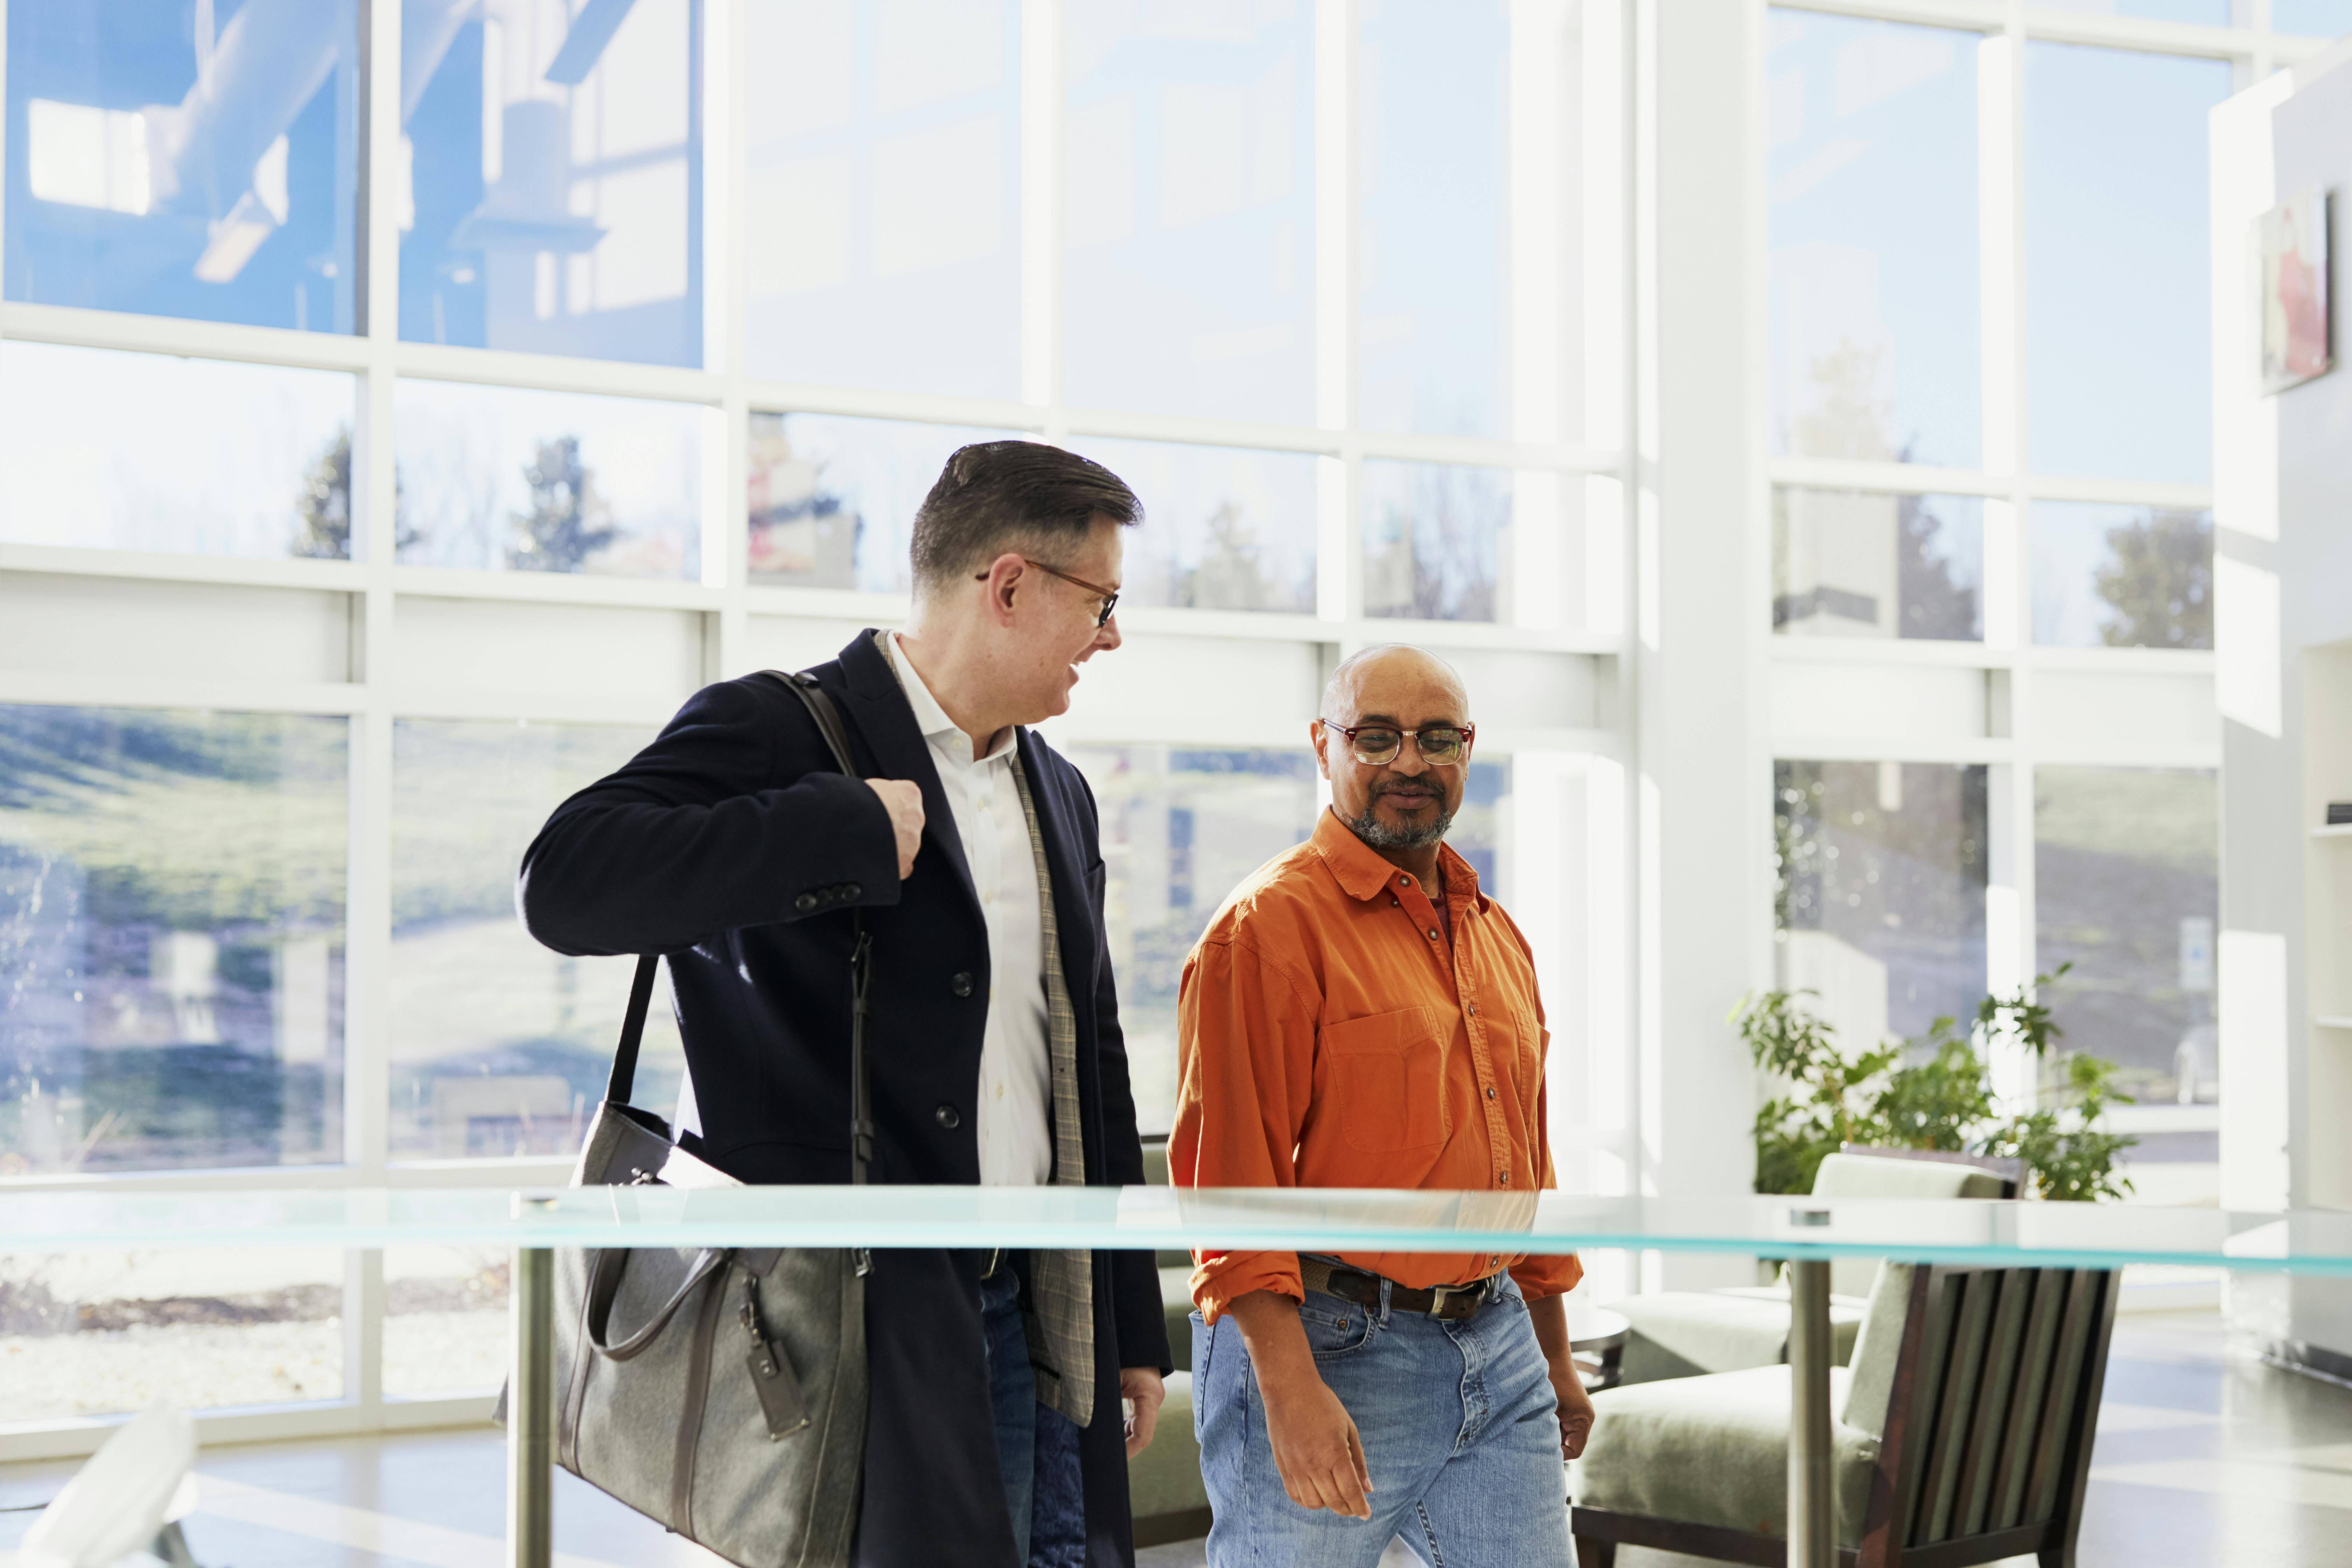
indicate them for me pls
(732, 846)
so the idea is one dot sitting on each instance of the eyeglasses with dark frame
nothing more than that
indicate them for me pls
(1376, 746)
(1109, 595)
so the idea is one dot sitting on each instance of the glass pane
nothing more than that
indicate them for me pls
(1851, 563)
(444, 1319)
(884, 227)
(1879, 902)
(1873, 267)
(1180, 830)
(2313, 18)
(2121, 576)
(175, 161)
(554, 154)
(171, 939)
(1433, 539)
(2211, 13)
(496, 479)
(2127, 890)
(2116, 266)
(125, 451)
(1188, 225)
(1223, 529)
(106, 1333)
(1433, 262)
(834, 499)
(499, 1045)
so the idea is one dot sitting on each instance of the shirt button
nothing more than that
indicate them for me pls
(946, 1117)
(1504, 1180)
(960, 985)
(1474, 1009)
(1000, 1091)
(1433, 933)
(1396, 903)
(1490, 1094)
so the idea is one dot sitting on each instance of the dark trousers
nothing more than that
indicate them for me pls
(1036, 1447)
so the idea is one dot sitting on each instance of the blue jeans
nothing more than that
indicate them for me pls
(1036, 1448)
(1461, 1434)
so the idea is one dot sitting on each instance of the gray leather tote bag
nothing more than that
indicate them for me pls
(720, 1391)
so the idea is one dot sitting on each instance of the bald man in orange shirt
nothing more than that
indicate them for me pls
(1360, 1014)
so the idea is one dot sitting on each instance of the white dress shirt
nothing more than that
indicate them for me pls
(1016, 1087)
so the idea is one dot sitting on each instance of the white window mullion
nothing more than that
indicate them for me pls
(1042, 164)
(725, 174)
(1339, 590)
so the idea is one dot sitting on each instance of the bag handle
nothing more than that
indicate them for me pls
(605, 1285)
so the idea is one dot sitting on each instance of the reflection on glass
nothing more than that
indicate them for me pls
(499, 1045)
(126, 451)
(1873, 269)
(1224, 529)
(501, 479)
(832, 499)
(1181, 828)
(553, 161)
(883, 182)
(1188, 218)
(2127, 890)
(1434, 278)
(1851, 563)
(1879, 902)
(444, 1319)
(1433, 539)
(105, 1333)
(2117, 271)
(2121, 576)
(186, 161)
(171, 939)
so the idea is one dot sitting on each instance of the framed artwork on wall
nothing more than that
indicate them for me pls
(2291, 249)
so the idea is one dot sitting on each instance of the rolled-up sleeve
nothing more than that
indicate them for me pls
(1245, 1031)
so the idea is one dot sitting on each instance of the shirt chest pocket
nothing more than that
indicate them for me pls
(1388, 1079)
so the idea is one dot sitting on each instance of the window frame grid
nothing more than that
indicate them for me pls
(2005, 480)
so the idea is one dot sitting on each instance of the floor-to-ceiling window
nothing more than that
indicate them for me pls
(404, 405)
(1988, 417)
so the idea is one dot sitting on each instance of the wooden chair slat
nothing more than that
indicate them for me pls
(2039, 1348)
(2059, 1399)
(1939, 1295)
(1998, 1383)
(1948, 1434)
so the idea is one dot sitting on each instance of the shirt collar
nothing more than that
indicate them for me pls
(1362, 872)
(932, 719)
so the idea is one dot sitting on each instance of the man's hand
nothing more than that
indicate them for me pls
(1576, 1413)
(1316, 1449)
(1142, 1389)
(1549, 1316)
(904, 802)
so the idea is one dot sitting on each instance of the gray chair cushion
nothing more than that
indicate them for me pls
(1863, 1176)
(1715, 1450)
(1165, 1479)
(1683, 1334)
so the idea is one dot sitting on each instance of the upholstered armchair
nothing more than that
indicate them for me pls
(1685, 1333)
(1962, 1433)
(1164, 1489)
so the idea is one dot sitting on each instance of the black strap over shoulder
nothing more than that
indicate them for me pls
(617, 1088)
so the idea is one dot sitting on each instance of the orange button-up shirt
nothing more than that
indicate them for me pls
(1332, 1033)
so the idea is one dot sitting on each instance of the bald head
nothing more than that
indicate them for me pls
(1381, 681)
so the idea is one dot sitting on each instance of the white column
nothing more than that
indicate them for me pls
(1702, 759)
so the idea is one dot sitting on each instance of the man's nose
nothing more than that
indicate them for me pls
(1409, 760)
(1107, 636)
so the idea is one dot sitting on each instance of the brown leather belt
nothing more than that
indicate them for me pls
(1448, 1302)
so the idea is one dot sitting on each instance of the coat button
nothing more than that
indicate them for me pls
(805, 902)
(946, 1116)
(850, 890)
(960, 985)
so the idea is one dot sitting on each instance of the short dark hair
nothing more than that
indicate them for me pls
(995, 495)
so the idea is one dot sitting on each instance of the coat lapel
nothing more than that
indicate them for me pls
(888, 722)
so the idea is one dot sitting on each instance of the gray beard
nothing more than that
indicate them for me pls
(1369, 828)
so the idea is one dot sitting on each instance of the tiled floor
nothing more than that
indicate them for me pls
(2204, 1461)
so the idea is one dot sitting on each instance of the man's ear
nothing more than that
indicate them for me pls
(1006, 579)
(1317, 730)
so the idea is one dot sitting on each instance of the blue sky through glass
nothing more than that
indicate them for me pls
(2118, 356)
(1874, 276)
